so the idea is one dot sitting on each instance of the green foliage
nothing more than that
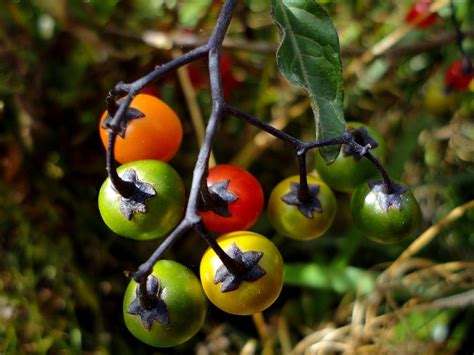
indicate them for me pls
(309, 57)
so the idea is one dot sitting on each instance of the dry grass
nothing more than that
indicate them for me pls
(371, 319)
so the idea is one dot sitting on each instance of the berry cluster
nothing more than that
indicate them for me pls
(242, 271)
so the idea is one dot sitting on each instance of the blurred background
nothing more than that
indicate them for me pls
(61, 269)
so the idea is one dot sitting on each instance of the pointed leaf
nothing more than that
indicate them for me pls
(309, 57)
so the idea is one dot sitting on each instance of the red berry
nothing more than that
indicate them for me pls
(418, 10)
(229, 81)
(151, 89)
(459, 75)
(246, 204)
(198, 74)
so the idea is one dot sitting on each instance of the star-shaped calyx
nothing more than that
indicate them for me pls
(307, 207)
(387, 200)
(222, 197)
(137, 202)
(150, 307)
(252, 271)
(131, 114)
(360, 136)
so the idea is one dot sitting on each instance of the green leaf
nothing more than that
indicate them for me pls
(329, 277)
(309, 57)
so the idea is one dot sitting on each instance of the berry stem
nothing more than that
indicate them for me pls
(123, 187)
(147, 300)
(334, 141)
(235, 267)
(110, 103)
(303, 190)
(388, 183)
(263, 126)
(206, 197)
(145, 269)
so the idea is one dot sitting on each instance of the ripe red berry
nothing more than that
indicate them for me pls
(420, 9)
(197, 72)
(459, 75)
(241, 199)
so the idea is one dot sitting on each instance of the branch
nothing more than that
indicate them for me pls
(191, 219)
(170, 40)
(296, 143)
(219, 109)
(192, 103)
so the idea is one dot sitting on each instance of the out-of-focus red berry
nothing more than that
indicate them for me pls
(198, 75)
(420, 9)
(151, 89)
(459, 74)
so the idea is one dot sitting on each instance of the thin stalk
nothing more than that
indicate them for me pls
(135, 87)
(201, 167)
(191, 219)
(302, 146)
(346, 138)
(334, 141)
(235, 267)
(263, 126)
(110, 103)
(303, 190)
(124, 188)
(388, 183)
(205, 193)
(145, 269)
(147, 301)
(217, 96)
